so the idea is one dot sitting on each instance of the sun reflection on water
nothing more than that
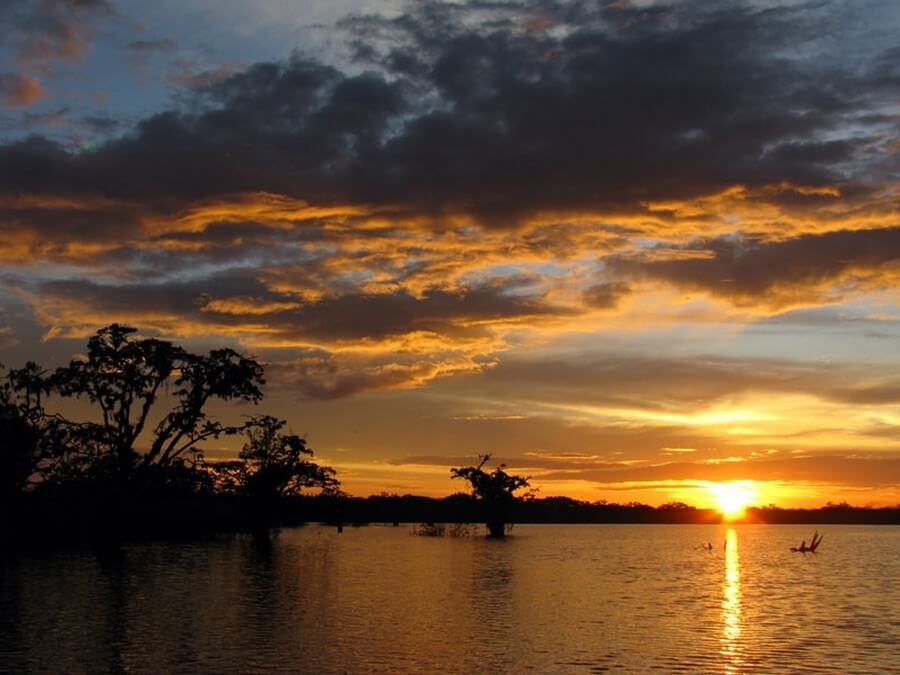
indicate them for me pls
(731, 604)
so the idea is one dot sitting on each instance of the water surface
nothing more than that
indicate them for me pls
(561, 598)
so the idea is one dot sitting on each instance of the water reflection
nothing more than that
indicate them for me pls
(731, 604)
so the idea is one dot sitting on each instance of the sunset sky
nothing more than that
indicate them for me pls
(629, 248)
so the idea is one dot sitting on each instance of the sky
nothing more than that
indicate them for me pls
(628, 248)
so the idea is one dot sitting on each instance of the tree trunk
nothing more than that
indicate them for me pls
(496, 529)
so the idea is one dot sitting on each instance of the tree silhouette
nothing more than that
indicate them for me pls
(495, 492)
(116, 472)
(124, 375)
(272, 465)
(22, 427)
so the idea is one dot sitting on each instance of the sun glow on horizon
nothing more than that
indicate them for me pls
(733, 497)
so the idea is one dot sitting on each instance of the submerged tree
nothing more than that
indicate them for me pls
(494, 491)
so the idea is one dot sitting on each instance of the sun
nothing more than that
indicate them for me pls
(733, 497)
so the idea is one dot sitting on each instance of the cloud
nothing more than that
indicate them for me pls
(501, 124)
(859, 471)
(48, 227)
(605, 295)
(150, 46)
(187, 73)
(53, 118)
(751, 271)
(221, 301)
(47, 32)
(480, 169)
(141, 51)
(7, 337)
(328, 378)
(855, 471)
(473, 141)
(100, 124)
(361, 341)
(20, 91)
(529, 460)
(667, 384)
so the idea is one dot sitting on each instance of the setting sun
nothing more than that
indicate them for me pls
(733, 497)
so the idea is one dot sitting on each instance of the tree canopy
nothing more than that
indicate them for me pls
(273, 464)
(123, 375)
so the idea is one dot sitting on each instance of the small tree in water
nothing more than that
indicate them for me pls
(495, 492)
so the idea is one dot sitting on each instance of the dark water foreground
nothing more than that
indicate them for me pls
(565, 598)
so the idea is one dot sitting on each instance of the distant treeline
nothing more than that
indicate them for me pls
(463, 508)
(50, 519)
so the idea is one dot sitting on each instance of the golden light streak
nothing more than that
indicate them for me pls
(258, 206)
(247, 305)
(706, 418)
(731, 605)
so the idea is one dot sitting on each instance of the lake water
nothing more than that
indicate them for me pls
(560, 598)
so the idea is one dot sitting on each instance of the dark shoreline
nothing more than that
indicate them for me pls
(39, 521)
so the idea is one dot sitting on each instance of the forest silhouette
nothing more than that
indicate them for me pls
(57, 466)
(135, 467)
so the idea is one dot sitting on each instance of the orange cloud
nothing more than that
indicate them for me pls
(20, 91)
(247, 306)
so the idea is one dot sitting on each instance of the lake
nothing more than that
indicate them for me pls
(551, 598)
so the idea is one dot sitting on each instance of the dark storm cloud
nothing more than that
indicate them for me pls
(228, 235)
(358, 315)
(749, 270)
(100, 124)
(52, 118)
(57, 223)
(544, 107)
(181, 298)
(238, 298)
(280, 128)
